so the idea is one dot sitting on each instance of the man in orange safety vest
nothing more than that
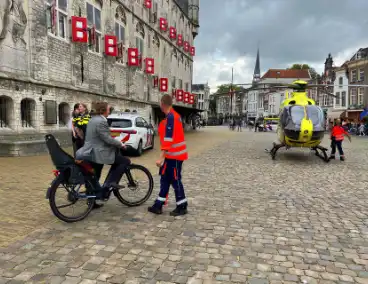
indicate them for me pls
(173, 154)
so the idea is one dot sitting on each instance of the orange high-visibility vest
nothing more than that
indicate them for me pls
(171, 132)
(338, 132)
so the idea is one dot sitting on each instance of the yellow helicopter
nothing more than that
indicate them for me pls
(301, 123)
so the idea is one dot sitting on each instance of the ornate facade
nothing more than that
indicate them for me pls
(44, 72)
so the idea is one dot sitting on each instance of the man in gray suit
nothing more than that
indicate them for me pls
(101, 149)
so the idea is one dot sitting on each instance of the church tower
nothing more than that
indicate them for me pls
(257, 70)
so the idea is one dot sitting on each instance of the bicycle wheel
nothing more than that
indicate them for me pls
(72, 196)
(133, 186)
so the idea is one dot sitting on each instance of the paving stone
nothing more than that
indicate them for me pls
(253, 229)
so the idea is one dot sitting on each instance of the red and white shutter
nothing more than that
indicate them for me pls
(79, 29)
(191, 99)
(192, 51)
(180, 40)
(133, 56)
(164, 82)
(148, 4)
(150, 66)
(172, 33)
(186, 97)
(186, 46)
(179, 95)
(111, 46)
(163, 24)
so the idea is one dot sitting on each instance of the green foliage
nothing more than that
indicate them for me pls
(312, 71)
(225, 89)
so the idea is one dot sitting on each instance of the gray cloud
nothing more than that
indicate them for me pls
(288, 30)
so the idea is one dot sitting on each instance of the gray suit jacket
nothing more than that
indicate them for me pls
(99, 147)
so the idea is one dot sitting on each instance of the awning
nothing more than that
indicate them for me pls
(182, 109)
(335, 114)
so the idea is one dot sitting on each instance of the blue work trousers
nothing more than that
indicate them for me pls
(170, 173)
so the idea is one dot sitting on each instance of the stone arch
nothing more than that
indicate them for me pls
(139, 28)
(156, 40)
(64, 114)
(120, 14)
(6, 111)
(28, 112)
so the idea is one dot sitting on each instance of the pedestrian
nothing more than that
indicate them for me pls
(75, 115)
(362, 130)
(239, 124)
(337, 137)
(80, 125)
(173, 154)
(100, 149)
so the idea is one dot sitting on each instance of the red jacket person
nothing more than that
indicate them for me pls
(173, 154)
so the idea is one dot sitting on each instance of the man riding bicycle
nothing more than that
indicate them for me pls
(100, 149)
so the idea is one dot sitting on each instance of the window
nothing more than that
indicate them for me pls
(343, 99)
(337, 98)
(361, 75)
(353, 96)
(341, 81)
(27, 108)
(180, 84)
(6, 109)
(64, 114)
(94, 20)
(173, 82)
(187, 87)
(120, 32)
(353, 76)
(119, 123)
(316, 115)
(360, 96)
(325, 100)
(139, 44)
(297, 114)
(57, 26)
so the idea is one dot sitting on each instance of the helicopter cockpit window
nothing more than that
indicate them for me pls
(297, 114)
(315, 114)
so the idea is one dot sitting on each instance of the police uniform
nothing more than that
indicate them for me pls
(80, 125)
(171, 132)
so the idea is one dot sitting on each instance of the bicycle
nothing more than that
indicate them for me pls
(74, 175)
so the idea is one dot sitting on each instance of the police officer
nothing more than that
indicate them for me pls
(80, 125)
(173, 154)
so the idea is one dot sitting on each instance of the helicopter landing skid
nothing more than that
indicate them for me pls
(274, 149)
(324, 155)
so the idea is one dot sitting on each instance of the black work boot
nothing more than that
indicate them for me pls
(342, 158)
(331, 158)
(155, 210)
(179, 211)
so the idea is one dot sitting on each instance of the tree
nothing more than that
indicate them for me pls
(312, 71)
(225, 89)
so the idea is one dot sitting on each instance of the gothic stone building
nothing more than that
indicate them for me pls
(44, 71)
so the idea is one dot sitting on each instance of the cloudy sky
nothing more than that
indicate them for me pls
(288, 31)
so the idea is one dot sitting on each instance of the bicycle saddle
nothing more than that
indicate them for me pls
(59, 157)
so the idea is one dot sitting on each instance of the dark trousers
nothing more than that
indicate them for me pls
(337, 144)
(171, 175)
(77, 144)
(116, 171)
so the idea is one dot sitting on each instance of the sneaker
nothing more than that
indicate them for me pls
(155, 210)
(179, 211)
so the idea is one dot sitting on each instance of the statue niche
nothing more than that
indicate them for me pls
(13, 22)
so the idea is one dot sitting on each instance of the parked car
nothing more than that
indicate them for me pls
(141, 135)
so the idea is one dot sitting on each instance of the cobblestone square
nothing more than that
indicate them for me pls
(251, 220)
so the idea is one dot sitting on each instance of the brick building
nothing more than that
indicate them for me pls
(43, 72)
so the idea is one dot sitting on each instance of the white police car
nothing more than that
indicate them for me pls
(132, 129)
